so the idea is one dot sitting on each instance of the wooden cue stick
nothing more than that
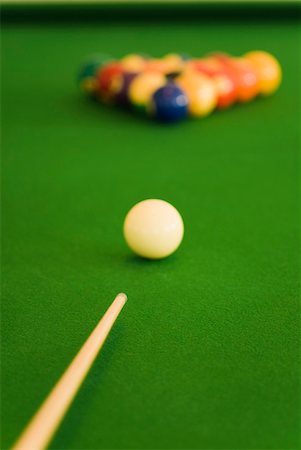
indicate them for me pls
(45, 422)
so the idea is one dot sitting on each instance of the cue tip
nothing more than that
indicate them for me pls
(122, 296)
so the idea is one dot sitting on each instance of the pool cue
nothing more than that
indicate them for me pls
(45, 422)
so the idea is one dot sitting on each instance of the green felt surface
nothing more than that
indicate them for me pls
(206, 352)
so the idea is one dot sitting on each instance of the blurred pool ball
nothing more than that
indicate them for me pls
(86, 77)
(201, 92)
(226, 90)
(157, 65)
(169, 104)
(173, 63)
(143, 87)
(268, 70)
(244, 74)
(105, 77)
(134, 62)
(225, 82)
(120, 87)
(248, 81)
(170, 63)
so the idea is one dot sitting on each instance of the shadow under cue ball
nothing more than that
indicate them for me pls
(153, 229)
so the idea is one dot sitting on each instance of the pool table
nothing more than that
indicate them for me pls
(206, 352)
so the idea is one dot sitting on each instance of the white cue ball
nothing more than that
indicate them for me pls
(153, 229)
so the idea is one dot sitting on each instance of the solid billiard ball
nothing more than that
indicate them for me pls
(105, 77)
(120, 87)
(143, 87)
(242, 71)
(225, 82)
(268, 70)
(173, 63)
(86, 77)
(134, 62)
(156, 65)
(153, 229)
(248, 80)
(226, 89)
(209, 66)
(168, 64)
(200, 90)
(169, 104)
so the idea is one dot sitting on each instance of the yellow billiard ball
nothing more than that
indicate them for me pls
(133, 63)
(143, 87)
(267, 69)
(153, 229)
(201, 92)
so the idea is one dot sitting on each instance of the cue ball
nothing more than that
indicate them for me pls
(153, 229)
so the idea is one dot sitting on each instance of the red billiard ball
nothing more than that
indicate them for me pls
(105, 77)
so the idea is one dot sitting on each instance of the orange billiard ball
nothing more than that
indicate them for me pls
(243, 73)
(225, 82)
(227, 90)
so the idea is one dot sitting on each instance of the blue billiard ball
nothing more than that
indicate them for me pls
(169, 104)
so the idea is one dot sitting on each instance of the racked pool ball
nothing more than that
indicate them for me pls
(169, 104)
(268, 70)
(153, 229)
(143, 87)
(86, 77)
(200, 90)
(120, 87)
(134, 62)
(173, 63)
(105, 78)
(244, 74)
(225, 82)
